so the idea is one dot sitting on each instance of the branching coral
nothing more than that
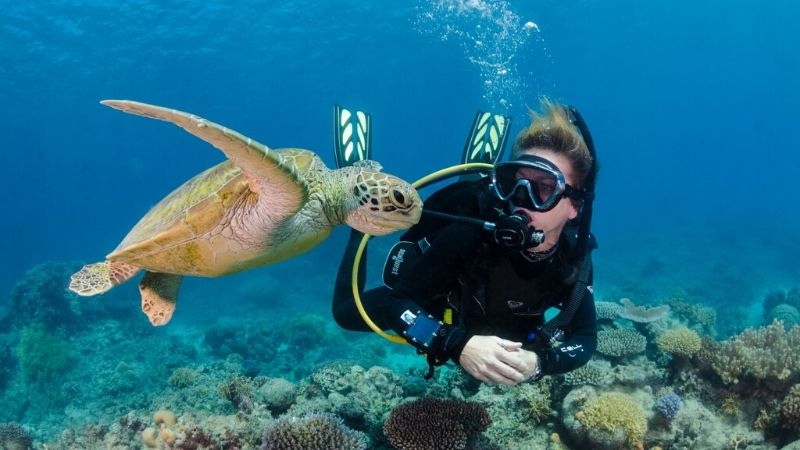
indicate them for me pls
(607, 310)
(790, 409)
(679, 341)
(535, 401)
(612, 411)
(239, 391)
(315, 431)
(767, 353)
(596, 373)
(700, 318)
(433, 424)
(669, 405)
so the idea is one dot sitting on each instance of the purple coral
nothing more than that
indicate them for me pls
(433, 424)
(669, 405)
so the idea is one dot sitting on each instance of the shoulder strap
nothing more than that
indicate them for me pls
(553, 329)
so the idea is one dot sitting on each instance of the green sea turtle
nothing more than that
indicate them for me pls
(259, 207)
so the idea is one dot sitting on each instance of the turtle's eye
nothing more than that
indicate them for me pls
(398, 199)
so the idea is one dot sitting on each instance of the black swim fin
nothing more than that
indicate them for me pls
(352, 141)
(487, 138)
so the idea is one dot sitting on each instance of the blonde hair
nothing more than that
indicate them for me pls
(553, 130)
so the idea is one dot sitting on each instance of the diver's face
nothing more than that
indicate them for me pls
(551, 222)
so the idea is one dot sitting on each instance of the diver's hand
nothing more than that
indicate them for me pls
(496, 361)
(531, 360)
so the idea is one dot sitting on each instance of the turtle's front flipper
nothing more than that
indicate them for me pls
(265, 168)
(97, 278)
(159, 295)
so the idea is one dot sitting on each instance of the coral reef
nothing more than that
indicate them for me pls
(620, 342)
(790, 409)
(597, 373)
(278, 394)
(434, 424)
(14, 437)
(641, 314)
(296, 354)
(679, 341)
(788, 314)
(612, 412)
(607, 310)
(40, 297)
(701, 319)
(768, 353)
(668, 405)
(360, 396)
(780, 297)
(41, 354)
(238, 390)
(314, 431)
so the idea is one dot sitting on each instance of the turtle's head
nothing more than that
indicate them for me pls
(382, 203)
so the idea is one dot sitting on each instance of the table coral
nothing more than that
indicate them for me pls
(641, 314)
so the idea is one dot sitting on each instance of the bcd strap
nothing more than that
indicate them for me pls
(552, 330)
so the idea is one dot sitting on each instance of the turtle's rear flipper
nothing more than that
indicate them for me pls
(351, 141)
(97, 278)
(159, 296)
(487, 138)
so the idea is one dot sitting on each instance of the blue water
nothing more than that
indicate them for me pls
(693, 107)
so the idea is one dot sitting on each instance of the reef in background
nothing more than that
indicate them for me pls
(78, 374)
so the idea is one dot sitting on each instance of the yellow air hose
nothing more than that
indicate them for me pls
(424, 181)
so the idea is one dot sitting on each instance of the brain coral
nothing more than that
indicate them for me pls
(314, 431)
(620, 342)
(433, 424)
(680, 341)
(613, 411)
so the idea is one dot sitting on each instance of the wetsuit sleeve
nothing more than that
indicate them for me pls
(580, 343)
(449, 254)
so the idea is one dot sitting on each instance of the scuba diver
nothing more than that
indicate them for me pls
(477, 294)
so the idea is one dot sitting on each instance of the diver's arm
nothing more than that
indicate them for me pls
(450, 252)
(580, 344)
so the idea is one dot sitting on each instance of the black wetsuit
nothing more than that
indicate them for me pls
(491, 292)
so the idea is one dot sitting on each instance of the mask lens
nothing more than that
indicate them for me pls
(511, 183)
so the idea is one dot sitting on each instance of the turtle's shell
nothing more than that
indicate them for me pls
(206, 226)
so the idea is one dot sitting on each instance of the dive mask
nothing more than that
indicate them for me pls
(531, 182)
